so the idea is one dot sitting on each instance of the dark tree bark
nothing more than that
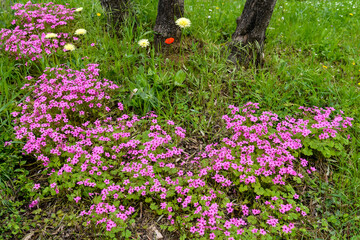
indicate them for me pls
(249, 36)
(116, 11)
(179, 8)
(165, 26)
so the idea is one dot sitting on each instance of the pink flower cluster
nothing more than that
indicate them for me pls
(93, 150)
(51, 109)
(37, 17)
(33, 22)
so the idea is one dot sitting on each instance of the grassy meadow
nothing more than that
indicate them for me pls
(312, 58)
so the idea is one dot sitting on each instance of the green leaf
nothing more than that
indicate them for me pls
(97, 199)
(293, 216)
(252, 219)
(297, 179)
(269, 193)
(332, 219)
(180, 78)
(243, 188)
(170, 193)
(127, 233)
(307, 151)
(259, 191)
(150, 72)
(153, 206)
(37, 211)
(266, 179)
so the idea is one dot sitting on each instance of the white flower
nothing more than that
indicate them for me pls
(80, 32)
(183, 22)
(79, 9)
(69, 47)
(51, 35)
(135, 90)
(144, 43)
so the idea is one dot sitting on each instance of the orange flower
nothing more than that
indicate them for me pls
(169, 40)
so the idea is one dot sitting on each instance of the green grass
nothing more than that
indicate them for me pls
(311, 58)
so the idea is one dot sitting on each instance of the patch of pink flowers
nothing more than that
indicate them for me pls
(92, 149)
(36, 17)
(33, 22)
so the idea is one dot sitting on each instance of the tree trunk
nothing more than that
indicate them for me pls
(179, 8)
(165, 26)
(249, 36)
(116, 11)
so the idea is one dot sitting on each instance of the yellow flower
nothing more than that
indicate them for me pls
(69, 47)
(353, 63)
(80, 32)
(351, 14)
(325, 67)
(217, 8)
(51, 35)
(183, 22)
(144, 43)
(79, 9)
(98, 14)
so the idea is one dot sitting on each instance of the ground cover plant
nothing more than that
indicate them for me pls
(84, 156)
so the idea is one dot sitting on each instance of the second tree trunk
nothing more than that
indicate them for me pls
(248, 39)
